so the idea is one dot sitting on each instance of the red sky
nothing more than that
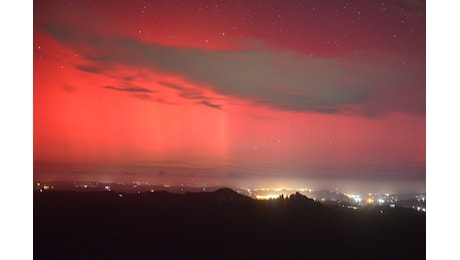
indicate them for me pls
(230, 92)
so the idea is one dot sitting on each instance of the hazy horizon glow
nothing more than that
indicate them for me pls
(240, 93)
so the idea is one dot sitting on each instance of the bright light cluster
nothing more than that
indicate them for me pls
(356, 198)
(268, 197)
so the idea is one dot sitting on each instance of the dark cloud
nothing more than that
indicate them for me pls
(209, 104)
(143, 96)
(259, 117)
(192, 94)
(128, 78)
(189, 93)
(171, 85)
(129, 89)
(186, 93)
(371, 171)
(89, 69)
(410, 171)
(365, 83)
(147, 97)
(234, 175)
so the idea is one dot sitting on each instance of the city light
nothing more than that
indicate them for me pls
(355, 198)
(268, 197)
(352, 200)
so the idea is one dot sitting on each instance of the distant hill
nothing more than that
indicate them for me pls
(222, 224)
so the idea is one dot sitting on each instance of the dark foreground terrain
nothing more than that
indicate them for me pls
(218, 225)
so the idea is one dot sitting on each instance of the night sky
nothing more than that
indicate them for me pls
(233, 93)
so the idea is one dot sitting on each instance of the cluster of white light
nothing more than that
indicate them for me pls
(422, 209)
(268, 197)
(356, 198)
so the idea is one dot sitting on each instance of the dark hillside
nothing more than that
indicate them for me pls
(218, 225)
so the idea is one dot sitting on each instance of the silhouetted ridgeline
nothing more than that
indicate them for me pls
(216, 225)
